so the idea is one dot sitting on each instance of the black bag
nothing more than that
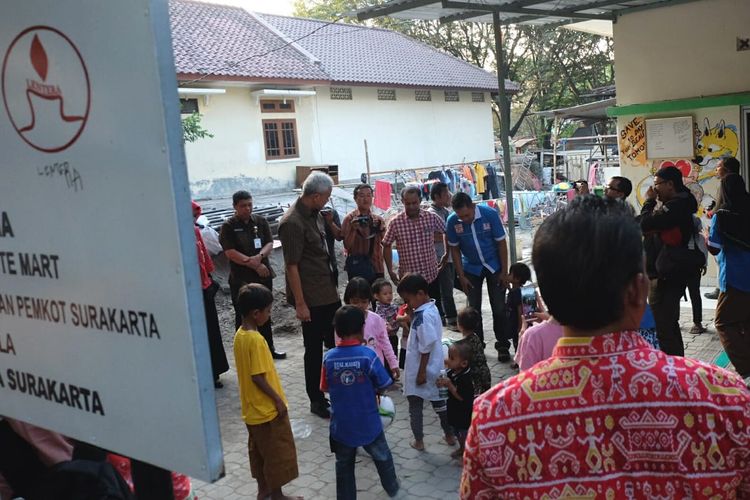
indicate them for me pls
(678, 262)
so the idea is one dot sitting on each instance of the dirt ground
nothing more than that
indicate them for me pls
(283, 315)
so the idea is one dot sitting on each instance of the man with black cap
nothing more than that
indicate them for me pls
(668, 234)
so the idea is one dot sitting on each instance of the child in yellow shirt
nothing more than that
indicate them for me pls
(273, 455)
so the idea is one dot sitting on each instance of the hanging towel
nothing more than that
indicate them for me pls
(383, 190)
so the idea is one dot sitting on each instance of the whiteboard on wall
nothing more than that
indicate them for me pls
(670, 138)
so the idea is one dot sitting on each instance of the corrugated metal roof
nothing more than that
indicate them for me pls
(209, 38)
(533, 12)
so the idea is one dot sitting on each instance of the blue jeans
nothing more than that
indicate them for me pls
(346, 485)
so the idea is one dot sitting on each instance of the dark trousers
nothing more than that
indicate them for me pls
(416, 405)
(447, 279)
(346, 485)
(315, 333)
(694, 289)
(266, 330)
(497, 304)
(219, 363)
(433, 290)
(664, 297)
(733, 326)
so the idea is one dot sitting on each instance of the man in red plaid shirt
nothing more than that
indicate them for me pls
(414, 231)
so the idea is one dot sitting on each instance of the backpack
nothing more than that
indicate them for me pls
(677, 262)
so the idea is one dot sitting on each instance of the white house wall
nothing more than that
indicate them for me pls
(404, 133)
(401, 134)
(235, 157)
(682, 51)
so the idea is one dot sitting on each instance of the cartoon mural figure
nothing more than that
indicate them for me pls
(711, 145)
(716, 143)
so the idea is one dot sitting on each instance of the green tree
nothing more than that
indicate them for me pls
(192, 130)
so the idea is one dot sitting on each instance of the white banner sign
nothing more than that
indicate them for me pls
(102, 330)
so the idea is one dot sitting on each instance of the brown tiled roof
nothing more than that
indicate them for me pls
(207, 38)
(211, 39)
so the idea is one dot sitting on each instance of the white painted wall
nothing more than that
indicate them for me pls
(401, 134)
(235, 156)
(682, 51)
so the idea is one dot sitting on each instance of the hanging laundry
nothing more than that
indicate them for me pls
(492, 184)
(383, 190)
(480, 174)
(468, 172)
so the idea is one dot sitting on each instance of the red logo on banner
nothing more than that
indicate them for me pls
(46, 89)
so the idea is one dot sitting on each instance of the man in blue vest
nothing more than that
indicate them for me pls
(480, 253)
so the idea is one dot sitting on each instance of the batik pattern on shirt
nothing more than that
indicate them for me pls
(611, 417)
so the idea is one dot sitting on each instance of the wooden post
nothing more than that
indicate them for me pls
(367, 163)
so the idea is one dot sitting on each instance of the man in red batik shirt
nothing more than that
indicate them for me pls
(606, 416)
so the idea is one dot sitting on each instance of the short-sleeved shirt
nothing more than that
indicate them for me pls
(611, 417)
(537, 343)
(351, 374)
(241, 236)
(415, 239)
(443, 213)
(358, 238)
(459, 412)
(733, 261)
(303, 240)
(480, 372)
(425, 337)
(252, 357)
(478, 240)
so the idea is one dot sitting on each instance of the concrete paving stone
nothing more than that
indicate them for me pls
(426, 489)
(431, 474)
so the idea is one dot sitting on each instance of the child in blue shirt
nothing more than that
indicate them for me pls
(351, 375)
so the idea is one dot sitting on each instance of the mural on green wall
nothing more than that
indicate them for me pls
(712, 142)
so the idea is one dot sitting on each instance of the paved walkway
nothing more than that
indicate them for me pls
(430, 474)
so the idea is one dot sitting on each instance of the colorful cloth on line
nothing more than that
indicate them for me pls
(611, 417)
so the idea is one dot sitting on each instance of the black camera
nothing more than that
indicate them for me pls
(362, 220)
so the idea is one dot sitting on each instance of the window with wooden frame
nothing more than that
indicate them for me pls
(277, 106)
(280, 138)
(188, 106)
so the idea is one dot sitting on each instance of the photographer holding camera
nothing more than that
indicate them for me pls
(363, 232)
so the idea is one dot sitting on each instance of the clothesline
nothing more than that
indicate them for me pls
(427, 169)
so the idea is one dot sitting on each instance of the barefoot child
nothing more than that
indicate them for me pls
(358, 293)
(273, 456)
(424, 357)
(468, 323)
(382, 291)
(351, 375)
(460, 391)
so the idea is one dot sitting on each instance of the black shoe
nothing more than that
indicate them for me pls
(278, 355)
(319, 408)
(218, 384)
(712, 295)
(503, 356)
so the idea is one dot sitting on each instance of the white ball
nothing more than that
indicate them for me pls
(387, 410)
